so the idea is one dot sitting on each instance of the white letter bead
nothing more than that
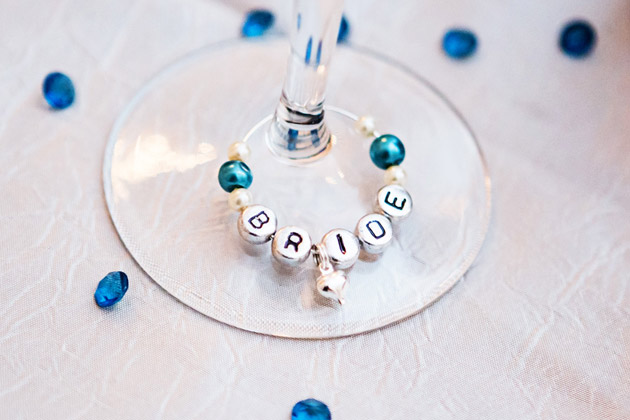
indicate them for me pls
(342, 247)
(394, 201)
(375, 233)
(291, 245)
(257, 224)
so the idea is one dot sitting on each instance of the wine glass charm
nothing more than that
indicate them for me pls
(339, 249)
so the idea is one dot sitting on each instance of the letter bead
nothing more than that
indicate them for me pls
(291, 245)
(257, 224)
(342, 247)
(374, 232)
(394, 202)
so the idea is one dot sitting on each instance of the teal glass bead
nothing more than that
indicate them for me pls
(235, 174)
(310, 409)
(387, 150)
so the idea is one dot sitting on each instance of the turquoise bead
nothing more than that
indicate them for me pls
(387, 150)
(235, 174)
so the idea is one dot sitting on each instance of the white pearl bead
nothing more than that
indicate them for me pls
(239, 151)
(239, 198)
(365, 125)
(395, 175)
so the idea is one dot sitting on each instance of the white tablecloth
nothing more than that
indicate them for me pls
(538, 328)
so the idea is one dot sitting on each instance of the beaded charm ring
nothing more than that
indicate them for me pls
(339, 249)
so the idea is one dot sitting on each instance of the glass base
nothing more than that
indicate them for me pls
(160, 176)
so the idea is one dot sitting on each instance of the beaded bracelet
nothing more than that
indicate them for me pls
(339, 249)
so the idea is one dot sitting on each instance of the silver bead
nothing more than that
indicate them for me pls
(239, 151)
(291, 245)
(342, 247)
(332, 285)
(395, 175)
(257, 224)
(375, 233)
(394, 201)
(239, 199)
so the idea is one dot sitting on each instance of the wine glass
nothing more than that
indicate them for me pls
(311, 165)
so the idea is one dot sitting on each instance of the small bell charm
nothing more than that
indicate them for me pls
(331, 283)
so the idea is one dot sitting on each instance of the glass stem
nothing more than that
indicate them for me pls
(298, 131)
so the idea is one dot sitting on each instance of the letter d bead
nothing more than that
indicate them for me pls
(374, 232)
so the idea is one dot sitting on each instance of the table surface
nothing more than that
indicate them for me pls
(538, 328)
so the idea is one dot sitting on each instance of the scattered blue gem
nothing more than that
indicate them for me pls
(387, 150)
(577, 39)
(111, 289)
(257, 22)
(310, 410)
(459, 43)
(235, 174)
(58, 90)
(344, 30)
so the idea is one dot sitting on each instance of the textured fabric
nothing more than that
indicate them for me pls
(538, 328)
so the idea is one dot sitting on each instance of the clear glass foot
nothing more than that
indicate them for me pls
(160, 176)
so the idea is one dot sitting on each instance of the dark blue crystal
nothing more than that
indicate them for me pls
(459, 43)
(344, 30)
(58, 90)
(577, 38)
(310, 410)
(111, 289)
(257, 22)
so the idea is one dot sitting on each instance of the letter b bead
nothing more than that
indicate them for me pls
(257, 224)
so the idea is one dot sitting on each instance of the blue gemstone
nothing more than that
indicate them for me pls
(387, 150)
(235, 174)
(111, 289)
(310, 410)
(459, 43)
(344, 30)
(257, 22)
(58, 90)
(577, 38)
